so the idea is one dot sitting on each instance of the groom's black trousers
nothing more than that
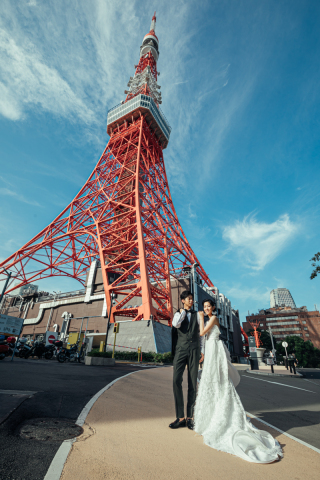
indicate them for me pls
(183, 357)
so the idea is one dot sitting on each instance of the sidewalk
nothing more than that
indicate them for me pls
(126, 437)
(279, 370)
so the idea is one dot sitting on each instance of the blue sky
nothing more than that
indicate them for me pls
(240, 88)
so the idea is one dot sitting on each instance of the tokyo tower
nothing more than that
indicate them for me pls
(123, 216)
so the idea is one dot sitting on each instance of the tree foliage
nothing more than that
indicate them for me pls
(307, 355)
(316, 269)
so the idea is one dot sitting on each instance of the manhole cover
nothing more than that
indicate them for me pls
(49, 429)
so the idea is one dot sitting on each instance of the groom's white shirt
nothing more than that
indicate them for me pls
(178, 319)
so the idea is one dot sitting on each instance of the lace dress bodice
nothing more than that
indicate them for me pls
(219, 415)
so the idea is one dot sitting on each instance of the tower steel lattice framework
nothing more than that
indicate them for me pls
(124, 215)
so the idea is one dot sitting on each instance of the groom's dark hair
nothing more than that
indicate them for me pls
(185, 294)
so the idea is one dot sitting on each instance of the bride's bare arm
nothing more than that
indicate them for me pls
(210, 324)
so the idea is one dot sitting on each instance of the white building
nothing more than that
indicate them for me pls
(280, 297)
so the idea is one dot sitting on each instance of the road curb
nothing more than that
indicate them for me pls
(56, 467)
(267, 374)
(315, 449)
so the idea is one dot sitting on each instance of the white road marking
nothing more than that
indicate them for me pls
(17, 392)
(284, 433)
(277, 383)
(314, 383)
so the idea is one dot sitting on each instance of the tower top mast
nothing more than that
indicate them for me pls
(153, 23)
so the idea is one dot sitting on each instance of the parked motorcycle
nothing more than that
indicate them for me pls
(50, 350)
(70, 354)
(38, 349)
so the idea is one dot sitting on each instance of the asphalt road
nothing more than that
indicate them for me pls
(44, 389)
(290, 404)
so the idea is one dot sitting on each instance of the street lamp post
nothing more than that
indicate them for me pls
(271, 336)
(112, 296)
(6, 284)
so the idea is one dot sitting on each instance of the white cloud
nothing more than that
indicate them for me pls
(27, 80)
(254, 294)
(258, 243)
(10, 193)
(191, 212)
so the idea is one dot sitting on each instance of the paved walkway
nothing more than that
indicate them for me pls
(126, 436)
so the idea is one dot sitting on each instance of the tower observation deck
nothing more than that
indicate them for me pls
(123, 217)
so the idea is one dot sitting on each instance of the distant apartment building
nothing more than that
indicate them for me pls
(281, 297)
(286, 321)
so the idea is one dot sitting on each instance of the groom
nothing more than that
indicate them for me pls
(187, 347)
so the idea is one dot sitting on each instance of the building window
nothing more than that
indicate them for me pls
(306, 328)
(285, 329)
(261, 324)
(307, 335)
(303, 321)
(281, 322)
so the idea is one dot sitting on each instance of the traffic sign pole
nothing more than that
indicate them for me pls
(116, 330)
(285, 344)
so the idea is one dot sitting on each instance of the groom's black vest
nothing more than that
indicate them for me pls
(187, 336)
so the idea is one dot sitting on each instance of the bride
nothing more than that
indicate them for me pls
(219, 415)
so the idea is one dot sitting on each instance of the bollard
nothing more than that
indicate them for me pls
(286, 362)
(272, 369)
(102, 344)
(290, 366)
(294, 368)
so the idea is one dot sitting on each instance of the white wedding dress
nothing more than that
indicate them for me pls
(219, 415)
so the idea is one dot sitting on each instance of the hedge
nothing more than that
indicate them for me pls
(133, 356)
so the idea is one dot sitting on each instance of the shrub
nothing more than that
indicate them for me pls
(133, 356)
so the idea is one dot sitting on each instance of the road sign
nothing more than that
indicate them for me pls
(51, 337)
(270, 361)
(284, 344)
(252, 349)
(10, 325)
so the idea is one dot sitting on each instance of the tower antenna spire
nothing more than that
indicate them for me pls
(153, 23)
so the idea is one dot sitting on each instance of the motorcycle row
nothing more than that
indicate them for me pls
(24, 349)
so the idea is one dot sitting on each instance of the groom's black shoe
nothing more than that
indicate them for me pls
(177, 423)
(190, 423)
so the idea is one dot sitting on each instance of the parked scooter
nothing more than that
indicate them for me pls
(22, 347)
(7, 347)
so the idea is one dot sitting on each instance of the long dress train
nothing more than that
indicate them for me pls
(219, 415)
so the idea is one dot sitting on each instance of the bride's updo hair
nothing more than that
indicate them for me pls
(212, 303)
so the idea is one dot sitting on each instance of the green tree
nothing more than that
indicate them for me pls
(316, 269)
(307, 355)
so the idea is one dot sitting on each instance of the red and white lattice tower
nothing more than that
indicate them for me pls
(123, 216)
